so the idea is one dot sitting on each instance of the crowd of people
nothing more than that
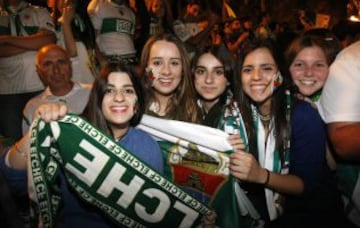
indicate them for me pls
(286, 97)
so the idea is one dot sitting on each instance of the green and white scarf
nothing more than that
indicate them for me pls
(105, 175)
(197, 159)
(269, 157)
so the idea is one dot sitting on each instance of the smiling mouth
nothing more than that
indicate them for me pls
(307, 82)
(118, 109)
(258, 87)
(165, 80)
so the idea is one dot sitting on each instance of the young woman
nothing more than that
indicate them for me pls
(308, 58)
(214, 80)
(213, 72)
(285, 169)
(167, 80)
(115, 106)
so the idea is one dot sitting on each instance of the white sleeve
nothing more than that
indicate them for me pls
(340, 99)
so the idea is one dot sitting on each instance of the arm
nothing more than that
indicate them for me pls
(18, 153)
(344, 137)
(19, 44)
(234, 46)
(67, 18)
(245, 167)
(9, 50)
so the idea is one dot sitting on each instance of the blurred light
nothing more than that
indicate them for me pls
(354, 18)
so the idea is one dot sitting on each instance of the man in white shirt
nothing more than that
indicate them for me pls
(54, 69)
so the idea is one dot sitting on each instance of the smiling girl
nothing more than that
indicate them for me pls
(285, 169)
(167, 79)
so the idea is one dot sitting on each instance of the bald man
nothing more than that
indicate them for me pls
(53, 66)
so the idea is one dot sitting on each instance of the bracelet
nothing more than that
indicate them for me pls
(267, 177)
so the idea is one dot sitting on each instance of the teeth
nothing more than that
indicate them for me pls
(308, 82)
(257, 87)
(121, 108)
(165, 80)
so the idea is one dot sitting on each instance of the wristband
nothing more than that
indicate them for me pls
(267, 177)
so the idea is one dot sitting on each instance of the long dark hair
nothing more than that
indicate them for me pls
(279, 104)
(93, 111)
(222, 53)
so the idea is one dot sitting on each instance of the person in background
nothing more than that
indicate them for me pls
(339, 108)
(240, 35)
(54, 68)
(75, 34)
(23, 30)
(284, 171)
(194, 26)
(116, 88)
(166, 77)
(114, 23)
(161, 18)
(263, 30)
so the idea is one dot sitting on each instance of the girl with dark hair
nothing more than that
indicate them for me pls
(284, 170)
(115, 106)
(214, 79)
(214, 75)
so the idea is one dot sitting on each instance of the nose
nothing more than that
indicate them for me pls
(308, 71)
(56, 68)
(208, 78)
(256, 75)
(165, 69)
(118, 96)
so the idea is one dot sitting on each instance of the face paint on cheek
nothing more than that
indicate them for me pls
(135, 106)
(277, 81)
(150, 74)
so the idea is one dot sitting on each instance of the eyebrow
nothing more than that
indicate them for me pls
(216, 67)
(172, 58)
(268, 64)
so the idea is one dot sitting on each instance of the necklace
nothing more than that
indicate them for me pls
(265, 118)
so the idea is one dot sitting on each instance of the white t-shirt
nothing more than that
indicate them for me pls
(340, 98)
(115, 27)
(18, 73)
(75, 100)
